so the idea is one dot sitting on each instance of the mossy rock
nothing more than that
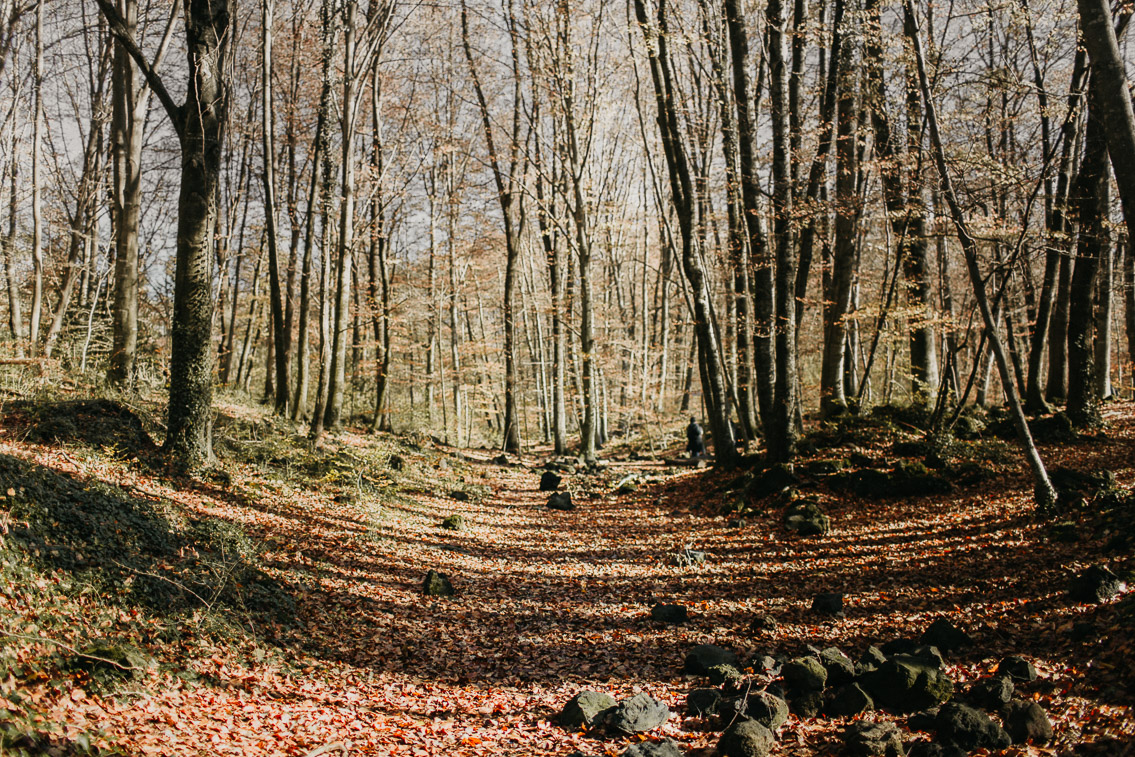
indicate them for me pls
(454, 522)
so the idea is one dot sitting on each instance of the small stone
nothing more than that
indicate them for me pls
(746, 738)
(1095, 585)
(437, 585)
(396, 462)
(459, 495)
(549, 481)
(946, 636)
(628, 485)
(1027, 722)
(804, 674)
(664, 748)
(669, 613)
(1017, 668)
(865, 739)
(638, 714)
(704, 656)
(561, 501)
(454, 523)
(585, 709)
(848, 701)
(828, 604)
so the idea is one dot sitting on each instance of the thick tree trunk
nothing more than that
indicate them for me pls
(1091, 199)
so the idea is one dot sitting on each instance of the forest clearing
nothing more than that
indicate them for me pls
(275, 605)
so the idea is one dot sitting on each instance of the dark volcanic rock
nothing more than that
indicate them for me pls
(396, 462)
(640, 713)
(871, 659)
(747, 738)
(946, 636)
(726, 676)
(1096, 584)
(1017, 668)
(865, 739)
(807, 519)
(828, 604)
(846, 701)
(702, 702)
(1026, 721)
(840, 668)
(808, 704)
(669, 613)
(763, 622)
(990, 693)
(584, 709)
(560, 501)
(906, 684)
(767, 709)
(704, 656)
(968, 728)
(804, 674)
(437, 585)
(664, 748)
(549, 481)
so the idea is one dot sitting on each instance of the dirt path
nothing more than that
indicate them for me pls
(549, 603)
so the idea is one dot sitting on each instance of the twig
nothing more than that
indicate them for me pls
(45, 640)
(202, 600)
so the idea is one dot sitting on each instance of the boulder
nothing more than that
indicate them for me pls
(1096, 584)
(828, 604)
(807, 519)
(866, 739)
(585, 709)
(437, 585)
(970, 729)
(923, 721)
(946, 636)
(767, 709)
(549, 481)
(704, 656)
(669, 613)
(664, 748)
(1017, 668)
(702, 702)
(840, 668)
(899, 646)
(991, 693)
(906, 684)
(847, 701)
(561, 501)
(934, 749)
(1026, 722)
(454, 523)
(804, 674)
(746, 738)
(638, 714)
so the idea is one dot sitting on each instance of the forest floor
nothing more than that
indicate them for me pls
(274, 605)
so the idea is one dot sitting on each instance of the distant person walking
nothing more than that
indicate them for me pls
(695, 439)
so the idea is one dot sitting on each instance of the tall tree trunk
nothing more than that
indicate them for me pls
(1043, 491)
(37, 192)
(275, 287)
(781, 435)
